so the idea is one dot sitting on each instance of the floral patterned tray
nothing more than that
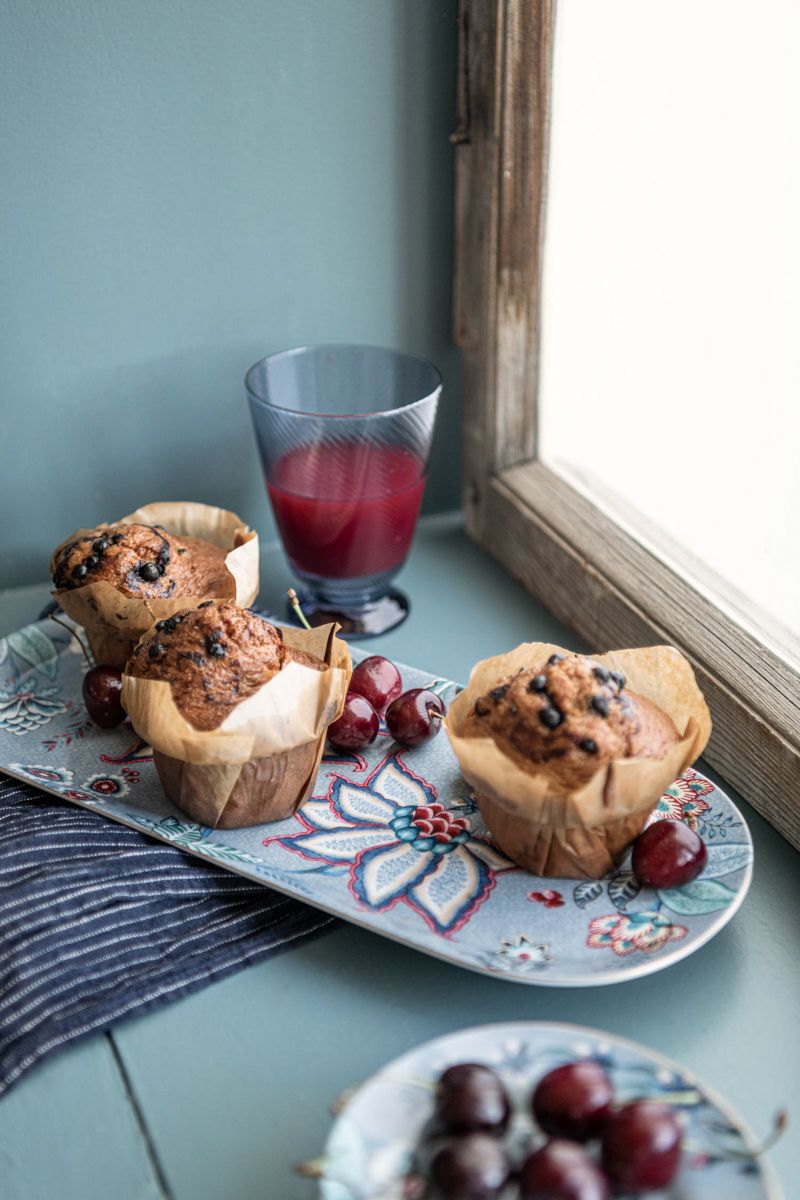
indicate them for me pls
(355, 849)
(371, 1149)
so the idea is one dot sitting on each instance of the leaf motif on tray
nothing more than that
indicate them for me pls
(725, 859)
(34, 647)
(700, 896)
(622, 889)
(587, 891)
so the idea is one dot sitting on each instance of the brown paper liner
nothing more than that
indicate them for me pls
(260, 764)
(114, 622)
(585, 832)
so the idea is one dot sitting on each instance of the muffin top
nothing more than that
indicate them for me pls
(142, 561)
(214, 656)
(568, 715)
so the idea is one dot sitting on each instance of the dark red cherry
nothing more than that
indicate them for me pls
(415, 716)
(641, 1147)
(357, 726)
(473, 1167)
(102, 691)
(668, 854)
(562, 1170)
(470, 1098)
(378, 680)
(572, 1101)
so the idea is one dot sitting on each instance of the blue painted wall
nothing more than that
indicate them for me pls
(186, 186)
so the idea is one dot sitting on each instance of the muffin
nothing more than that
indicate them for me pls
(117, 579)
(236, 710)
(141, 561)
(567, 716)
(568, 754)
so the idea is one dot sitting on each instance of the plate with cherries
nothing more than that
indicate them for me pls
(540, 1111)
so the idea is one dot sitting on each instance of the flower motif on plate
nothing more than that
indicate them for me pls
(625, 933)
(54, 776)
(28, 707)
(683, 799)
(400, 845)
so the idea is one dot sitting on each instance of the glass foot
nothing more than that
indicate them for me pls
(363, 621)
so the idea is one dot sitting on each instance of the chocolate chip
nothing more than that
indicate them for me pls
(602, 674)
(589, 745)
(538, 683)
(100, 546)
(214, 648)
(78, 571)
(148, 572)
(555, 658)
(481, 708)
(160, 624)
(550, 717)
(115, 539)
(91, 562)
(619, 679)
(206, 603)
(197, 659)
(154, 649)
(498, 693)
(600, 705)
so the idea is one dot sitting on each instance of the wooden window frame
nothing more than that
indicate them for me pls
(603, 571)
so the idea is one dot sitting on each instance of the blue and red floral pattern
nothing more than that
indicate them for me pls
(625, 933)
(400, 845)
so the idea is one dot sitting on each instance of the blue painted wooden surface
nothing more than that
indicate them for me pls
(233, 1085)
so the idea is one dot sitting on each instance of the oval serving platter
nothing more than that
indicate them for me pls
(370, 1151)
(358, 848)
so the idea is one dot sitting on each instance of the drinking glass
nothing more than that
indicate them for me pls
(344, 433)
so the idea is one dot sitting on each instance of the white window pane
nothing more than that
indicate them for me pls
(671, 332)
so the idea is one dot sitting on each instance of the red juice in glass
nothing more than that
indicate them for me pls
(346, 511)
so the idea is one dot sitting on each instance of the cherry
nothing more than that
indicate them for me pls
(470, 1098)
(562, 1170)
(102, 689)
(573, 1101)
(377, 679)
(357, 726)
(415, 716)
(668, 854)
(474, 1167)
(641, 1146)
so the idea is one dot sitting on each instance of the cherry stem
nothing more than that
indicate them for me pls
(73, 633)
(779, 1127)
(298, 612)
(434, 713)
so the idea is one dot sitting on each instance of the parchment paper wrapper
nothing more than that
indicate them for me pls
(260, 764)
(581, 834)
(114, 622)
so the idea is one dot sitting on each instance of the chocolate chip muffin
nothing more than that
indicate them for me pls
(568, 715)
(118, 579)
(236, 710)
(141, 561)
(213, 657)
(568, 755)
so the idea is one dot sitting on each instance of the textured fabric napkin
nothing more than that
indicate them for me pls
(98, 922)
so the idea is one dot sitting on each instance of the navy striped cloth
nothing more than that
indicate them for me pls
(98, 921)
